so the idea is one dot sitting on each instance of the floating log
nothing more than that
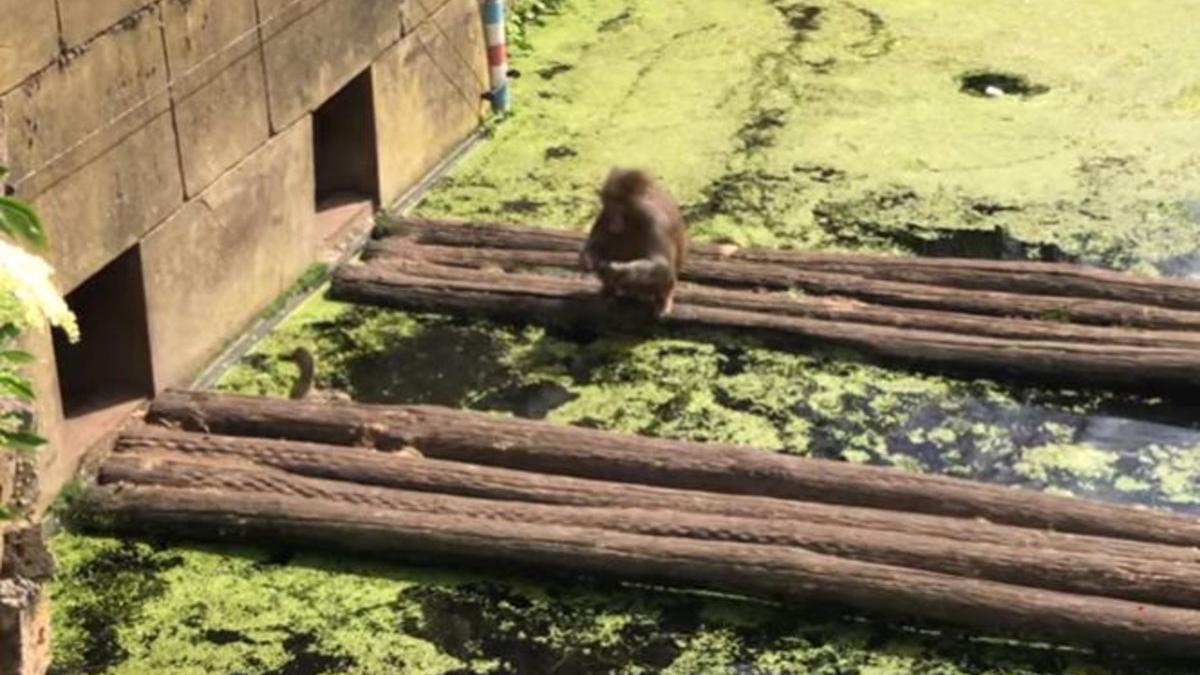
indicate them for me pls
(1135, 579)
(364, 466)
(415, 262)
(1005, 302)
(772, 571)
(574, 303)
(484, 439)
(1034, 278)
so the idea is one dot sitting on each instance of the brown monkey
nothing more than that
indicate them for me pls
(637, 244)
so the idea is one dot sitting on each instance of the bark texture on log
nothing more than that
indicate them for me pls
(1034, 278)
(483, 439)
(774, 571)
(1136, 579)
(419, 262)
(1057, 322)
(1112, 365)
(899, 292)
(371, 467)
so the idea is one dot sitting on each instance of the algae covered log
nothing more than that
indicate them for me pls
(752, 569)
(1034, 278)
(571, 303)
(370, 467)
(484, 439)
(1138, 579)
(896, 291)
(444, 265)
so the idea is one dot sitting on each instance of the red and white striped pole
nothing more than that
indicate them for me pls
(493, 26)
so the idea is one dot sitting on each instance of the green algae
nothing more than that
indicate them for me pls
(842, 125)
(1177, 473)
(231, 610)
(814, 404)
(102, 586)
(805, 124)
(1081, 464)
(226, 610)
(252, 611)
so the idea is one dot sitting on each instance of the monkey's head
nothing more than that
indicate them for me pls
(621, 189)
(623, 184)
(298, 356)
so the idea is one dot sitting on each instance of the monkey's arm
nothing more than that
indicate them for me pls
(588, 257)
(653, 273)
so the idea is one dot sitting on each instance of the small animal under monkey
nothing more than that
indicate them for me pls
(637, 244)
(303, 387)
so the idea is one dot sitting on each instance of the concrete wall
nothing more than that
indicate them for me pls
(436, 59)
(184, 127)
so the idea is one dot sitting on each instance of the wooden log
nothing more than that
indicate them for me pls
(894, 293)
(772, 571)
(1034, 278)
(371, 467)
(826, 308)
(536, 299)
(1136, 579)
(479, 438)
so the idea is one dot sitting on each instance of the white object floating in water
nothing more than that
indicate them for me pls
(993, 91)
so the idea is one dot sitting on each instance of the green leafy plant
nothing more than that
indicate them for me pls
(28, 298)
(17, 220)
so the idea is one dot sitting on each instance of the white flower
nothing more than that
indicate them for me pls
(27, 294)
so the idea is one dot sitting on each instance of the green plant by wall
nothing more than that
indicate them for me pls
(28, 299)
(523, 14)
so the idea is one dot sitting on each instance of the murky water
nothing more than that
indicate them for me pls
(832, 125)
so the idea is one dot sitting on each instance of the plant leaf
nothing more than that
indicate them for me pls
(22, 440)
(18, 220)
(16, 385)
(17, 356)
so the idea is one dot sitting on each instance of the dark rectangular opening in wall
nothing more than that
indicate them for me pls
(347, 169)
(107, 373)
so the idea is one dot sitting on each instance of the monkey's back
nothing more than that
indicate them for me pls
(671, 216)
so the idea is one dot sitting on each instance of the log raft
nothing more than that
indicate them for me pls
(1033, 278)
(748, 569)
(370, 467)
(492, 490)
(1138, 578)
(528, 445)
(1032, 321)
(898, 291)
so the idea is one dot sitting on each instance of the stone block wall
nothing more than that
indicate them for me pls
(179, 134)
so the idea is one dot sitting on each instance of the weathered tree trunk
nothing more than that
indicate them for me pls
(479, 438)
(415, 263)
(774, 571)
(1136, 579)
(1034, 278)
(372, 467)
(543, 300)
(895, 293)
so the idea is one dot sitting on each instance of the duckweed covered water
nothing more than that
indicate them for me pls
(821, 124)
